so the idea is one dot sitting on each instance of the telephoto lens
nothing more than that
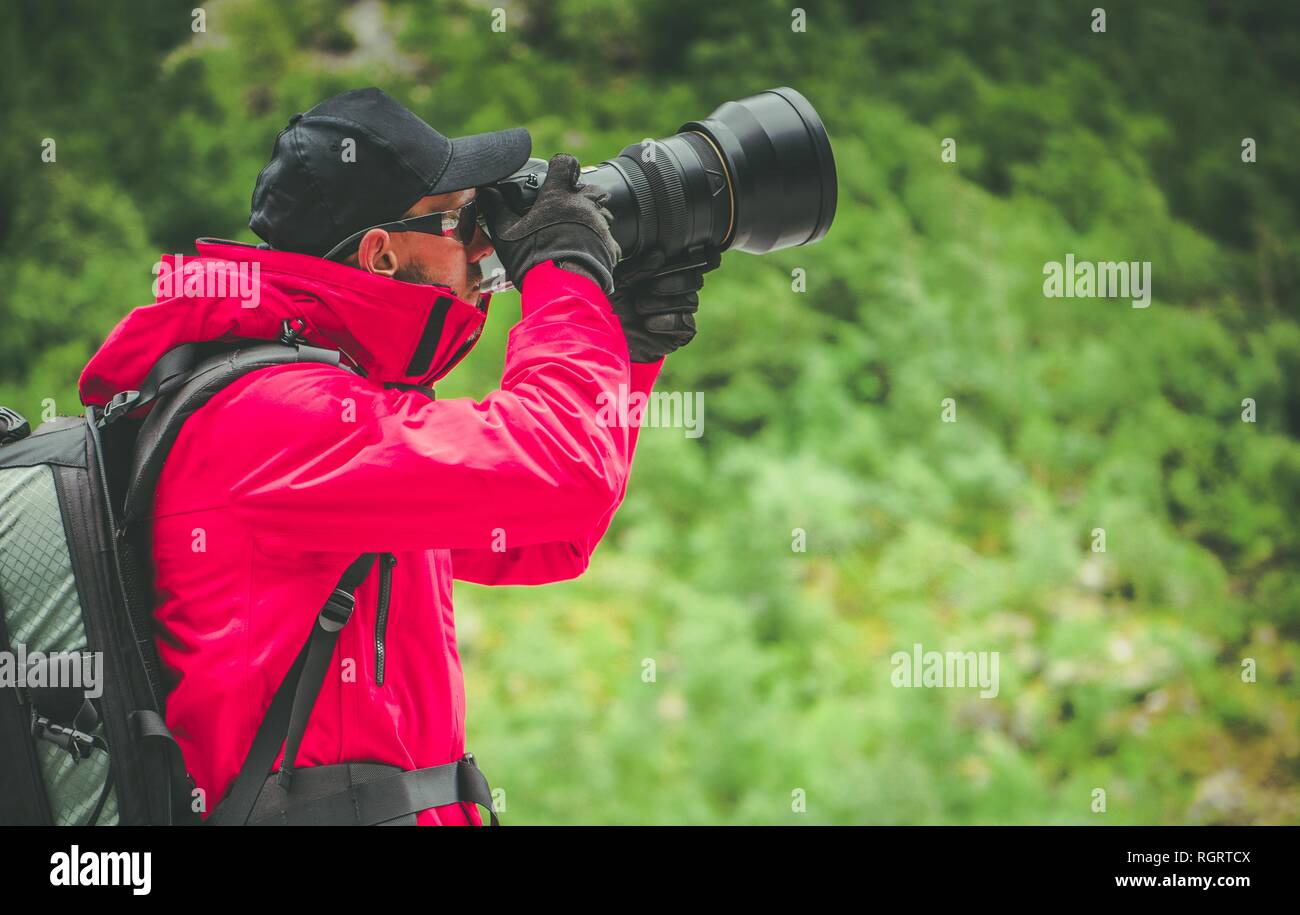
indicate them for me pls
(756, 175)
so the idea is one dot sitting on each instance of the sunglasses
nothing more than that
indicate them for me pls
(460, 223)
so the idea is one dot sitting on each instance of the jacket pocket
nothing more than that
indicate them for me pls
(386, 563)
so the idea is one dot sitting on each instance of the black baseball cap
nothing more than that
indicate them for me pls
(316, 190)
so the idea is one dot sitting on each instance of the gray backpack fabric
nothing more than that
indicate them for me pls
(36, 574)
(82, 694)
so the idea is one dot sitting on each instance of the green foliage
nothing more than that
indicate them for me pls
(771, 668)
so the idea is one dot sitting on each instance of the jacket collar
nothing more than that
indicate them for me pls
(395, 332)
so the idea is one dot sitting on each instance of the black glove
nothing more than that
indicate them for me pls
(658, 312)
(567, 222)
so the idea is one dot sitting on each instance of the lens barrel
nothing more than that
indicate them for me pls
(756, 175)
(779, 160)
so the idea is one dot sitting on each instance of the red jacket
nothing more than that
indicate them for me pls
(284, 477)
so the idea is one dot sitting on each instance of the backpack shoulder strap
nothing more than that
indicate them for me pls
(285, 720)
(186, 384)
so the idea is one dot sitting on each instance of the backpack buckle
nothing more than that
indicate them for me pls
(78, 744)
(120, 404)
(337, 610)
(13, 426)
(293, 331)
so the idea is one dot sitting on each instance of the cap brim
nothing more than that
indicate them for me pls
(484, 158)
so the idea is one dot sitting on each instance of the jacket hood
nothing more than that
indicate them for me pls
(393, 331)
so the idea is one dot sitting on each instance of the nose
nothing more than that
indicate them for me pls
(479, 247)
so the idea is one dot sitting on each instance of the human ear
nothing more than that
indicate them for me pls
(376, 254)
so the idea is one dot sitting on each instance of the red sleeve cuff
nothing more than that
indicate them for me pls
(548, 281)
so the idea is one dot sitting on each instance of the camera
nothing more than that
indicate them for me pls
(756, 175)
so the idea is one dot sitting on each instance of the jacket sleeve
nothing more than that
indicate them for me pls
(536, 564)
(367, 469)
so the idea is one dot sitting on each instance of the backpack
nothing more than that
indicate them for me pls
(82, 692)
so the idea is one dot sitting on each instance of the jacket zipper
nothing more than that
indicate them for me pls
(386, 563)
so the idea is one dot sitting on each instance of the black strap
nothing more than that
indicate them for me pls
(320, 648)
(187, 392)
(23, 799)
(387, 798)
(168, 373)
(150, 727)
(293, 700)
(234, 810)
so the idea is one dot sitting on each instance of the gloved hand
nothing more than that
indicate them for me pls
(567, 222)
(658, 313)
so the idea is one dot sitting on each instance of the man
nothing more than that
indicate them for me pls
(272, 489)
